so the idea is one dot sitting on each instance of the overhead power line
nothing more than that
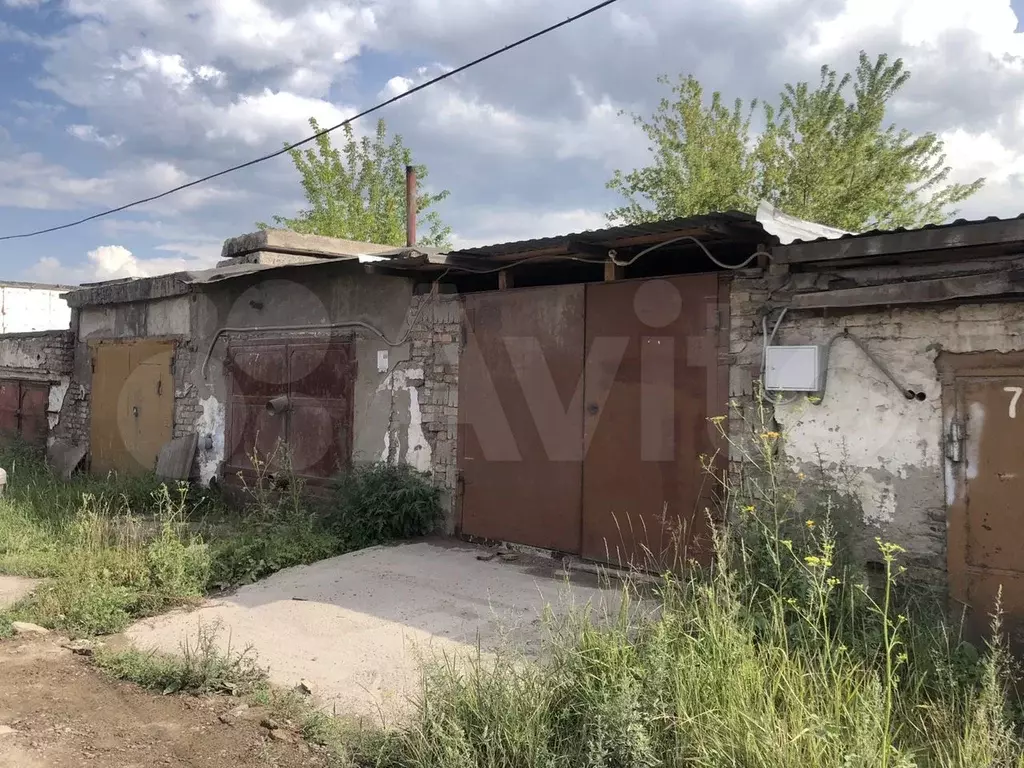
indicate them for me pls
(315, 136)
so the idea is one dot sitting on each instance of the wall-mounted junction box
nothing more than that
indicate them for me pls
(794, 368)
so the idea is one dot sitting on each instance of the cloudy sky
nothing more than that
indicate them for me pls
(104, 101)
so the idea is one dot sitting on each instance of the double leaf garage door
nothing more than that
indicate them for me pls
(585, 417)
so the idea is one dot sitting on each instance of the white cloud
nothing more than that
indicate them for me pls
(28, 180)
(921, 24)
(285, 116)
(112, 262)
(89, 133)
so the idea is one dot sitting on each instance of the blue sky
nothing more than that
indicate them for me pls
(103, 101)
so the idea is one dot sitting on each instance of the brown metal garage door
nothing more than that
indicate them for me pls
(23, 410)
(521, 457)
(317, 378)
(982, 394)
(644, 490)
(584, 414)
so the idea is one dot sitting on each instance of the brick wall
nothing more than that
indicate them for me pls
(436, 340)
(187, 411)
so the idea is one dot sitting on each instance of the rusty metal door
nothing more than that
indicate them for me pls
(132, 404)
(521, 416)
(985, 547)
(312, 431)
(653, 381)
(23, 410)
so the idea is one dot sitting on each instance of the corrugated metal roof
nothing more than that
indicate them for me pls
(899, 230)
(708, 222)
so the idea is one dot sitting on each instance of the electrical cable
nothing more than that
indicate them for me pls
(325, 131)
(342, 325)
(768, 338)
(700, 245)
(909, 394)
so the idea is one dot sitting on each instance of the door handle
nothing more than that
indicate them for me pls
(592, 409)
(135, 411)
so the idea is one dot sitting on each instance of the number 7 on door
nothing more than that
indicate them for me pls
(1013, 400)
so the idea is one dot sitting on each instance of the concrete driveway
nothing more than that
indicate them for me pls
(358, 626)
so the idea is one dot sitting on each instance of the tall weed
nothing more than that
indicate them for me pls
(782, 654)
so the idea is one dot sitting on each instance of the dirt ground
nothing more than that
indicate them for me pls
(56, 711)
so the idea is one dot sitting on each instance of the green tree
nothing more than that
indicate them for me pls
(358, 192)
(823, 154)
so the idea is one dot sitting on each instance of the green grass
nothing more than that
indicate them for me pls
(782, 654)
(202, 667)
(721, 671)
(114, 549)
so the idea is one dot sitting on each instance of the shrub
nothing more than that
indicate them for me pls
(251, 556)
(377, 503)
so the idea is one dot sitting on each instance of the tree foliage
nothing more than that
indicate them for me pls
(823, 154)
(357, 192)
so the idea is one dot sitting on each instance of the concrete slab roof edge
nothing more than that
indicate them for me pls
(285, 241)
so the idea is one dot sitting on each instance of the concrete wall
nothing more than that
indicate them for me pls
(29, 308)
(406, 349)
(405, 391)
(44, 357)
(405, 394)
(885, 449)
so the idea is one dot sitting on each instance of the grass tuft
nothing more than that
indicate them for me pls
(116, 549)
(202, 667)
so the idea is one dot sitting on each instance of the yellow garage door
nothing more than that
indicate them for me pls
(132, 404)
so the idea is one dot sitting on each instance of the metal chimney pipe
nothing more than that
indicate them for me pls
(410, 206)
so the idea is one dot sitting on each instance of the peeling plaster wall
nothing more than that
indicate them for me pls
(890, 447)
(405, 394)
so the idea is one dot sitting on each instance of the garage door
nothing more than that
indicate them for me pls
(132, 404)
(309, 429)
(982, 395)
(584, 415)
(521, 416)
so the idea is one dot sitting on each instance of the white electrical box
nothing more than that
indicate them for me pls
(794, 368)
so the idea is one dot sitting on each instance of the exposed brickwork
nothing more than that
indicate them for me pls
(187, 411)
(436, 340)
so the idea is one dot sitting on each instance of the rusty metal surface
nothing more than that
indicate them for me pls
(644, 491)
(34, 426)
(10, 407)
(521, 419)
(132, 404)
(993, 493)
(23, 410)
(313, 431)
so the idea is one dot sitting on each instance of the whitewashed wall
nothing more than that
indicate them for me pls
(27, 308)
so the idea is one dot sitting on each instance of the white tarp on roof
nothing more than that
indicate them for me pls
(789, 228)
